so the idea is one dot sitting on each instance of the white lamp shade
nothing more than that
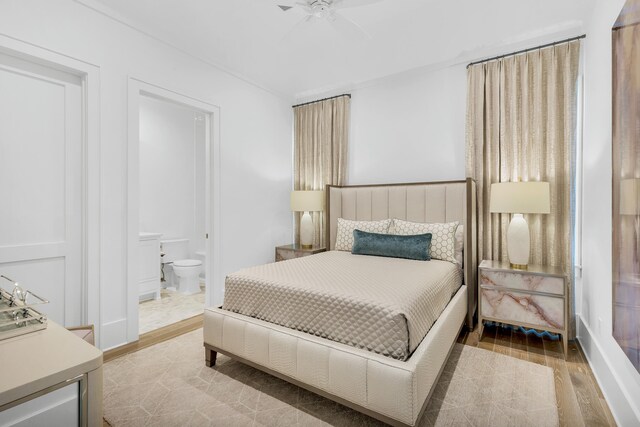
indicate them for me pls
(629, 191)
(307, 201)
(520, 197)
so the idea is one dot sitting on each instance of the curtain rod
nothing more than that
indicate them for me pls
(323, 99)
(527, 50)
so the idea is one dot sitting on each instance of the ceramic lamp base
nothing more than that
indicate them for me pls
(518, 242)
(306, 230)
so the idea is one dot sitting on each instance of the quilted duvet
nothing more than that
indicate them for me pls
(384, 305)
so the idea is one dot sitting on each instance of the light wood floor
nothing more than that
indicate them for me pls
(579, 398)
(157, 336)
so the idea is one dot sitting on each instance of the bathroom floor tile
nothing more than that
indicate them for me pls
(172, 307)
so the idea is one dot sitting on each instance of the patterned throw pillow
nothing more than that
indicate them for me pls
(443, 236)
(344, 236)
(460, 244)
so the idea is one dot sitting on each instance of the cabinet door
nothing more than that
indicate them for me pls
(57, 408)
(149, 260)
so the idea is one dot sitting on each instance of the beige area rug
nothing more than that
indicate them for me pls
(168, 385)
(172, 307)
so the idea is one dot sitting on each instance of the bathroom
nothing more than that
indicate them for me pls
(172, 206)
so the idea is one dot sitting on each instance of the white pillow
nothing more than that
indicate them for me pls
(443, 239)
(344, 236)
(459, 244)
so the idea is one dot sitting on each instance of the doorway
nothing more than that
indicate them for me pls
(172, 208)
(173, 205)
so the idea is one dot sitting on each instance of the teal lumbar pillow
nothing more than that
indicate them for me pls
(391, 245)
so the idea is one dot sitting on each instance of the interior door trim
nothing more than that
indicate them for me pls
(215, 279)
(89, 75)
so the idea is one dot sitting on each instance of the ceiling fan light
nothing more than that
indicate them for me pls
(320, 8)
(319, 11)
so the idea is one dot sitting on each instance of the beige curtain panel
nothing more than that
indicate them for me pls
(521, 126)
(320, 151)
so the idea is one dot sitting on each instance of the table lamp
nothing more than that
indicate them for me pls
(519, 198)
(307, 201)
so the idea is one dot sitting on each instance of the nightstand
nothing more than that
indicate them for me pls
(533, 298)
(295, 251)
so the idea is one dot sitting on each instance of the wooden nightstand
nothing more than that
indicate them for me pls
(295, 251)
(533, 298)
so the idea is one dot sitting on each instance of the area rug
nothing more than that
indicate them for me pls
(168, 385)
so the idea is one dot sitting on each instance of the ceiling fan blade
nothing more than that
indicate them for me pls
(297, 27)
(286, 5)
(346, 26)
(343, 4)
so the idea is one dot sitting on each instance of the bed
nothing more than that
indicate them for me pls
(355, 342)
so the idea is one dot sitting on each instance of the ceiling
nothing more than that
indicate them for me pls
(253, 38)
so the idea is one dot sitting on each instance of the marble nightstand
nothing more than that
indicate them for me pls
(533, 298)
(295, 251)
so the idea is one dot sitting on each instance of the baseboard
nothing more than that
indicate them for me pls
(624, 408)
(156, 336)
(114, 334)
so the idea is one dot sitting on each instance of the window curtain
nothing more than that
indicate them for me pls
(321, 136)
(521, 126)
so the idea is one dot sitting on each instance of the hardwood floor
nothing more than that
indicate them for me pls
(154, 337)
(579, 398)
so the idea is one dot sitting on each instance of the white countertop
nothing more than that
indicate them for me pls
(149, 236)
(37, 360)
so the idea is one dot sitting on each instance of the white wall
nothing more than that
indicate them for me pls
(255, 137)
(172, 168)
(409, 128)
(618, 378)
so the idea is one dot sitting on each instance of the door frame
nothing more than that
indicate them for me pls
(137, 88)
(89, 75)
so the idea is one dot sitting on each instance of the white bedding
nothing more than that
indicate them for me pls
(384, 305)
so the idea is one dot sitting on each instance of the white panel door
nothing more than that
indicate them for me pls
(41, 185)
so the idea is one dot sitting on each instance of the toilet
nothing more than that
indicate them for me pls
(186, 271)
(201, 256)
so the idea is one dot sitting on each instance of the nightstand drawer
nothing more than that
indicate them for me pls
(544, 311)
(524, 281)
(283, 255)
(286, 252)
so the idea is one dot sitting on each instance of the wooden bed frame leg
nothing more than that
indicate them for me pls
(210, 357)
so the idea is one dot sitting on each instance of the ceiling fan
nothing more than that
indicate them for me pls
(317, 10)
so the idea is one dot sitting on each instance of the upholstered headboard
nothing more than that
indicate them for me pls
(419, 202)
